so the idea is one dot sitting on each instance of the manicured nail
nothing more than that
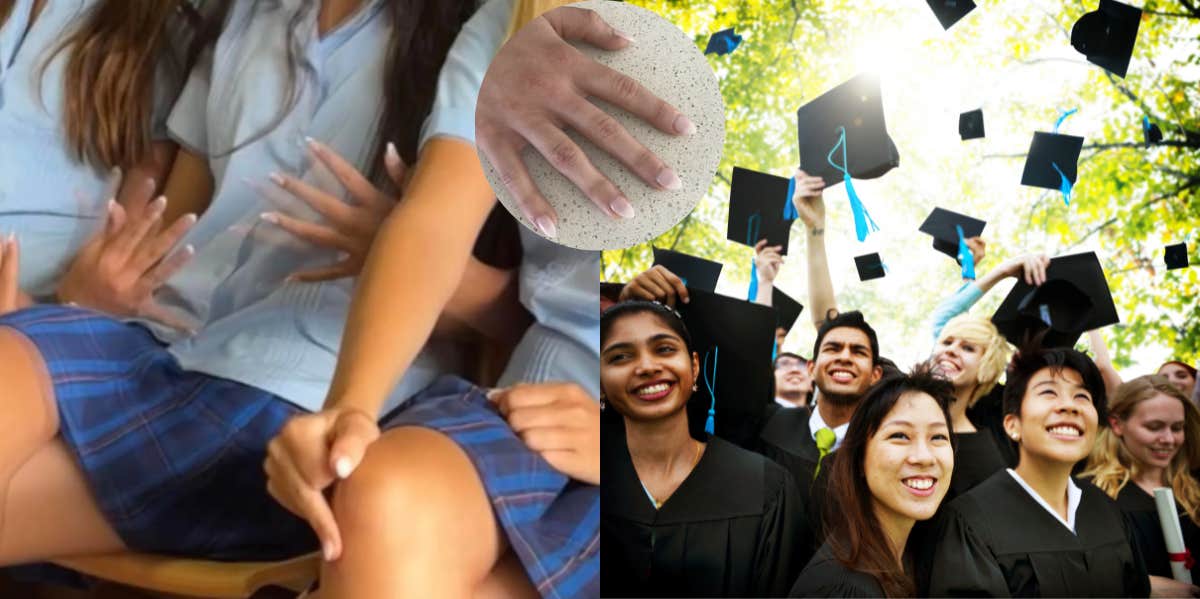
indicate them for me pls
(270, 217)
(343, 467)
(622, 207)
(277, 179)
(327, 550)
(159, 204)
(391, 154)
(190, 218)
(110, 205)
(545, 224)
(314, 145)
(668, 179)
(189, 249)
(623, 35)
(684, 125)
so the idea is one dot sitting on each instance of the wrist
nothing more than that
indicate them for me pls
(816, 230)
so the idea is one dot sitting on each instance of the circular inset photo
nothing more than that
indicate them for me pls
(600, 125)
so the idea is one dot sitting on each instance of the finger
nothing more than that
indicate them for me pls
(351, 435)
(505, 159)
(608, 134)
(162, 314)
(155, 250)
(548, 438)
(653, 287)
(568, 158)
(758, 247)
(309, 503)
(140, 203)
(396, 168)
(526, 396)
(9, 270)
(361, 190)
(340, 215)
(550, 415)
(166, 268)
(342, 269)
(624, 91)
(116, 217)
(317, 234)
(587, 26)
(136, 229)
(676, 284)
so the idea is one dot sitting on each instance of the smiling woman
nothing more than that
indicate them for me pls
(668, 526)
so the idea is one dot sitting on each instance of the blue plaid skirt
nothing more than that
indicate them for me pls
(174, 458)
(552, 522)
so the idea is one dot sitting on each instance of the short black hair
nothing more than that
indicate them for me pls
(665, 314)
(788, 354)
(854, 320)
(1031, 358)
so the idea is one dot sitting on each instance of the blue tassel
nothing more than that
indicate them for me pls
(753, 281)
(1065, 186)
(789, 208)
(752, 225)
(1062, 116)
(965, 256)
(863, 223)
(710, 381)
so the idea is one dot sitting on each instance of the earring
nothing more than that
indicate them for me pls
(695, 387)
(601, 402)
(1016, 437)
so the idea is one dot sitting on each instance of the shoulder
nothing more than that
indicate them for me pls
(825, 576)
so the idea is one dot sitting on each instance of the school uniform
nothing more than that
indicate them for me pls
(825, 576)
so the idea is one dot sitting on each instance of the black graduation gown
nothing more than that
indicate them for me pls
(976, 458)
(734, 527)
(998, 541)
(825, 576)
(787, 441)
(988, 416)
(1138, 507)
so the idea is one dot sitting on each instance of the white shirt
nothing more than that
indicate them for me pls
(1073, 496)
(816, 423)
(785, 403)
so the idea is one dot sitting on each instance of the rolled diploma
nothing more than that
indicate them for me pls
(1168, 518)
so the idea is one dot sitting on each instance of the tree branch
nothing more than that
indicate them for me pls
(1186, 185)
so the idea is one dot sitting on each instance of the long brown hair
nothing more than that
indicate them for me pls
(853, 530)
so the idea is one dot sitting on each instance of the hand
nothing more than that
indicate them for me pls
(768, 260)
(538, 84)
(118, 270)
(1161, 586)
(307, 456)
(10, 262)
(1032, 266)
(978, 249)
(657, 285)
(809, 201)
(352, 225)
(560, 421)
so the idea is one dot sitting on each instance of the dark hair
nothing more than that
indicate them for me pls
(788, 354)
(854, 320)
(853, 529)
(1031, 358)
(888, 367)
(669, 317)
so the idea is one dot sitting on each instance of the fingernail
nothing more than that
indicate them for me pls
(110, 205)
(545, 224)
(277, 179)
(190, 218)
(391, 154)
(623, 35)
(343, 467)
(327, 550)
(270, 217)
(492, 394)
(189, 249)
(343, 256)
(160, 204)
(684, 125)
(312, 143)
(668, 179)
(622, 207)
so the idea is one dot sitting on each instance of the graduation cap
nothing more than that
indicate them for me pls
(944, 226)
(787, 310)
(856, 107)
(1106, 35)
(1052, 162)
(734, 339)
(949, 12)
(723, 42)
(757, 204)
(1150, 131)
(970, 124)
(1176, 256)
(869, 267)
(1075, 298)
(697, 273)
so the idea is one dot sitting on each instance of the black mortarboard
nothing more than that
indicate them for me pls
(756, 206)
(723, 42)
(611, 291)
(1075, 298)
(1151, 134)
(856, 105)
(943, 225)
(950, 11)
(787, 310)
(970, 124)
(1045, 152)
(869, 267)
(1106, 35)
(697, 273)
(734, 339)
(1176, 256)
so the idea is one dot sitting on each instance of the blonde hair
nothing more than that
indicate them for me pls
(1110, 464)
(994, 356)
(528, 10)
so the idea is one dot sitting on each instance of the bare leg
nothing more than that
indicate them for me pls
(415, 522)
(46, 509)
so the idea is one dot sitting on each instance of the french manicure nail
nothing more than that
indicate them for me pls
(684, 125)
(391, 154)
(623, 35)
(270, 217)
(622, 207)
(343, 467)
(190, 218)
(545, 224)
(160, 204)
(327, 550)
(668, 179)
(276, 178)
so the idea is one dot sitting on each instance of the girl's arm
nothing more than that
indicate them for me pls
(404, 285)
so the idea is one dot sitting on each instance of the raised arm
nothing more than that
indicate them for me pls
(769, 261)
(810, 204)
(1103, 360)
(1030, 266)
